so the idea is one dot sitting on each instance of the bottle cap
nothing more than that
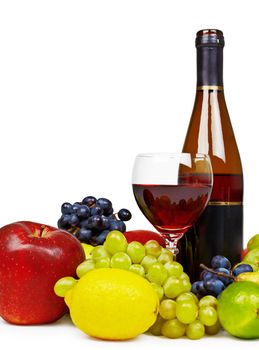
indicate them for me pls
(209, 37)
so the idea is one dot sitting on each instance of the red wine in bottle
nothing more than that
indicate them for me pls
(219, 230)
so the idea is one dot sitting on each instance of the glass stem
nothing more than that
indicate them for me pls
(171, 244)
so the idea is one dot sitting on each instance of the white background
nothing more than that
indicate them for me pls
(84, 87)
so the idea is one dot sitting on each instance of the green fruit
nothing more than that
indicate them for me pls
(153, 248)
(186, 312)
(212, 330)
(102, 262)
(136, 251)
(63, 285)
(167, 309)
(253, 242)
(158, 289)
(138, 269)
(173, 287)
(99, 252)
(173, 329)
(155, 329)
(120, 260)
(174, 268)
(187, 297)
(248, 276)
(208, 315)
(157, 273)
(195, 330)
(115, 242)
(252, 257)
(147, 261)
(208, 300)
(165, 256)
(85, 267)
(238, 307)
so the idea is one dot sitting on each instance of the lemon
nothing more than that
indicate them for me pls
(87, 249)
(112, 304)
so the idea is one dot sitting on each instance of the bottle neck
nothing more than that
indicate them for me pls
(210, 68)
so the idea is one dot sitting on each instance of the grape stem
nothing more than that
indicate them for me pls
(74, 230)
(222, 274)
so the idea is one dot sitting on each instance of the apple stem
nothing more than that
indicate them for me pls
(222, 274)
(43, 231)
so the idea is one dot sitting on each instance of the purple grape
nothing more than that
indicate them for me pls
(66, 208)
(84, 235)
(96, 210)
(105, 204)
(83, 212)
(89, 201)
(220, 261)
(124, 215)
(242, 268)
(214, 286)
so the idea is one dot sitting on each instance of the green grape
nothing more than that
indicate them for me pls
(115, 242)
(208, 315)
(147, 261)
(173, 329)
(157, 273)
(195, 330)
(209, 300)
(167, 309)
(159, 290)
(165, 256)
(102, 262)
(187, 286)
(85, 267)
(186, 312)
(173, 287)
(174, 268)
(63, 285)
(99, 252)
(212, 330)
(189, 296)
(184, 276)
(155, 329)
(136, 251)
(120, 260)
(138, 269)
(153, 248)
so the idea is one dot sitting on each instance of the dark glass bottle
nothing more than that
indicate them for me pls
(219, 230)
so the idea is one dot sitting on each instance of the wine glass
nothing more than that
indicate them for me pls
(172, 190)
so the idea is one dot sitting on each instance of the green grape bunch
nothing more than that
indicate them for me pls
(180, 311)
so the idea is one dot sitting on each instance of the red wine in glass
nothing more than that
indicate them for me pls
(174, 204)
(172, 207)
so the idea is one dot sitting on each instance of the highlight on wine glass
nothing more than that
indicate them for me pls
(172, 190)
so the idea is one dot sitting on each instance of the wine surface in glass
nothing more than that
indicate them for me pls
(172, 208)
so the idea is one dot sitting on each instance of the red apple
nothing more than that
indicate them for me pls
(143, 236)
(243, 253)
(32, 258)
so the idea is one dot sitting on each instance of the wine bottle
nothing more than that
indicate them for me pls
(219, 230)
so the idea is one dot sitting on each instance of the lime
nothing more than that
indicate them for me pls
(112, 304)
(238, 309)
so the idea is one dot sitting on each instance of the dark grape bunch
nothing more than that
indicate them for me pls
(215, 279)
(92, 219)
